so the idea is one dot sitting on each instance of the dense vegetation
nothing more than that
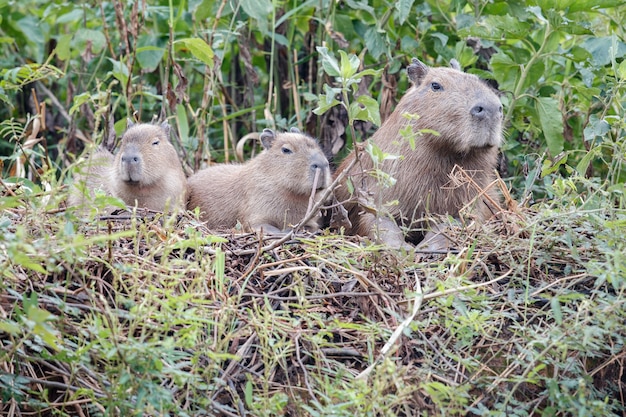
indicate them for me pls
(135, 314)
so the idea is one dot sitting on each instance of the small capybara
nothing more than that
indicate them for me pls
(452, 119)
(270, 191)
(146, 171)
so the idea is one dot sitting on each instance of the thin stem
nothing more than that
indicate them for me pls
(526, 71)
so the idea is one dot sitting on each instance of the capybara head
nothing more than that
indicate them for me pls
(464, 111)
(145, 151)
(290, 161)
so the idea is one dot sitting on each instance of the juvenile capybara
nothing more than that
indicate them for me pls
(146, 171)
(270, 191)
(453, 119)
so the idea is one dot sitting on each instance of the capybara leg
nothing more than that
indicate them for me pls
(386, 231)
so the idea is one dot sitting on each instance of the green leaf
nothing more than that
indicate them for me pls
(19, 76)
(39, 321)
(183, 123)
(79, 100)
(204, 9)
(593, 5)
(248, 393)
(329, 63)
(280, 39)
(551, 121)
(149, 57)
(199, 49)
(621, 70)
(595, 128)
(375, 42)
(219, 265)
(87, 39)
(25, 261)
(10, 327)
(369, 71)
(324, 104)
(259, 10)
(374, 152)
(10, 202)
(361, 5)
(349, 64)
(365, 108)
(582, 166)
(119, 71)
(331, 92)
(555, 305)
(408, 134)
(513, 27)
(505, 70)
(601, 48)
(549, 167)
(5, 98)
(350, 186)
(403, 9)
(63, 47)
(572, 6)
(75, 15)
(32, 29)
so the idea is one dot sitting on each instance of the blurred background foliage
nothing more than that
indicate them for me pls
(73, 72)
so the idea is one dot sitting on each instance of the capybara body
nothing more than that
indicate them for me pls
(270, 191)
(146, 171)
(455, 119)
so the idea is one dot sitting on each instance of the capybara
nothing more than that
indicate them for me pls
(270, 191)
(447, 118)
(146, 171)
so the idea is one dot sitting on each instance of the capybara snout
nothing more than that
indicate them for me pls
(486, 110)
(130, 167)
(320, 168)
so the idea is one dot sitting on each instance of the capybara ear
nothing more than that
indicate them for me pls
(455, 64)
(166, 128)
(129, 123)
(417, 70)
(267, 137)
(294, 130)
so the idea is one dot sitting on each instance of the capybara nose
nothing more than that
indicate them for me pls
(319, 162)
(482, 111)
(131, 155)
(130, 159)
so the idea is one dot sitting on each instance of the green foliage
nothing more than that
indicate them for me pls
(160, 317)
(348, 77)
(213, 68)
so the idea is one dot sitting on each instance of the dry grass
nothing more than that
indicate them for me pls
(156, 315)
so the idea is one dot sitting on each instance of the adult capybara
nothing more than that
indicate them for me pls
(270, 191)
(447, 118)
(146, 171)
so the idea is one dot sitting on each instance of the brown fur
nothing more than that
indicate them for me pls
(270, 191)
(146, 171)
(467, 114)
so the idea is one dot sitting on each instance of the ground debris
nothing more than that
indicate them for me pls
(138, 308)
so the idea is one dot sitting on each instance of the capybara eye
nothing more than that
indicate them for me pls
(436, 86)
(286, 150)
(156, 142)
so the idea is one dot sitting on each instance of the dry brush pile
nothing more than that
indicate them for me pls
(137, 313)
